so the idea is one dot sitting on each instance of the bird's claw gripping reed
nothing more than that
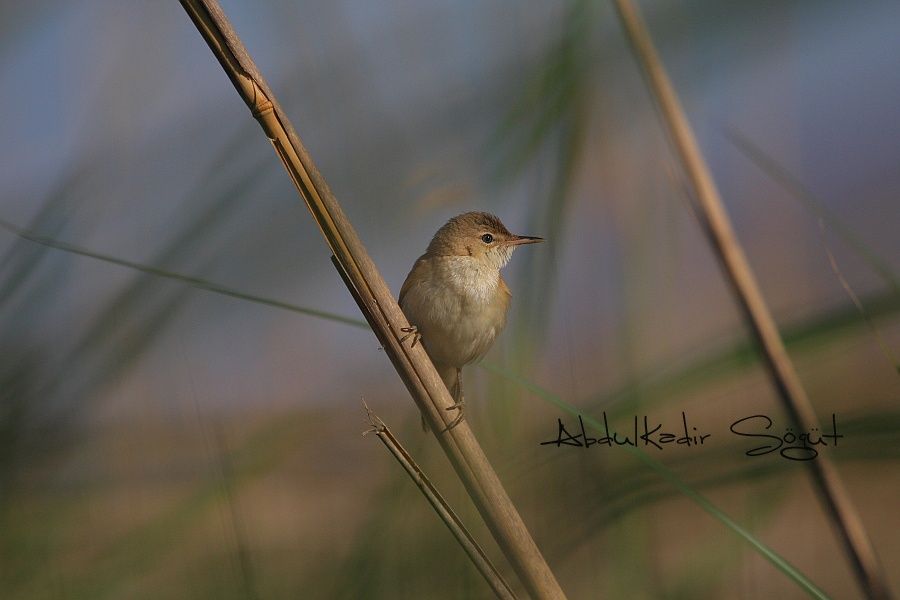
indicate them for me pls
(413, 332)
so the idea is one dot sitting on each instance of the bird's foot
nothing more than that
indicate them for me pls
(456, 406)
(411, 332)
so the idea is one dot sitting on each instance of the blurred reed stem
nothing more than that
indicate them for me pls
(448, 516)
(377, 304)
(714, 220)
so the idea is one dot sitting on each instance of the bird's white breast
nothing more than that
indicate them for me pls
(459, 306)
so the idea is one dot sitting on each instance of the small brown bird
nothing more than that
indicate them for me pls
(455, 298)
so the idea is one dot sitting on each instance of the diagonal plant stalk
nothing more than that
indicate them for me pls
(378, 304)
(448, 516)
(716, 224)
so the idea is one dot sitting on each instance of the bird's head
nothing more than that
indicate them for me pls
(480, 235)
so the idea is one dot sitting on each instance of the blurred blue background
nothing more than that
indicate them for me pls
(159, 440)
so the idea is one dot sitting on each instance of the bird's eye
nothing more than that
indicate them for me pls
(487, 238)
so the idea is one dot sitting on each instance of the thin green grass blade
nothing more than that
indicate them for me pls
(196, 282)
(797, 190)
(800, 192)
(670, 380)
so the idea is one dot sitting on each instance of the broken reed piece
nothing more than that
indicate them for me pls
(439, 504)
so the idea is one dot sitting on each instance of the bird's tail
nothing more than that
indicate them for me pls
(450, 379)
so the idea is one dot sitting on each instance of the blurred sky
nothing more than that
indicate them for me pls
(121, 116)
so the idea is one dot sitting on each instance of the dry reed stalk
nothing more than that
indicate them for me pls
(448, 516)
(714, 221)
(378, 304)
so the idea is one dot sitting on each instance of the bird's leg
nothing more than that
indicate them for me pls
(459, 401)
(411, 331)
(458, 398)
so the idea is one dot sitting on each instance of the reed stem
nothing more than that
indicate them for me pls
(448, 516)
(378, 304)
(716, 224)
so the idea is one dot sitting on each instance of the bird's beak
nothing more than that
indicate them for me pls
(518, 240)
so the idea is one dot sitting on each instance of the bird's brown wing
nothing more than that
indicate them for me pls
(504, 289)
(419, 265)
